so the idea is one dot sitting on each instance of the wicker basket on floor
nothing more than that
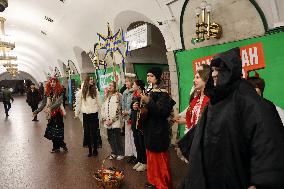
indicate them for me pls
(110, 178)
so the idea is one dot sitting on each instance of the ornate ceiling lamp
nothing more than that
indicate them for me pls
(3, 5)
(11, 68)
(13, 71)
(9, 65)
(6, 47)
(6, 42)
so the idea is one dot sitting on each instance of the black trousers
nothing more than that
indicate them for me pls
(91, 125)
(140, 146)
(7, 107)
(34, 108)
(58, 144)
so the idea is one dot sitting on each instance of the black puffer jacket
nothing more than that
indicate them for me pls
(157, 127)
(239, 140)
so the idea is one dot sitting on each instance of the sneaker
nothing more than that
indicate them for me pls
(112, 156)
(120, 157)
(141, 168)
(137, 165)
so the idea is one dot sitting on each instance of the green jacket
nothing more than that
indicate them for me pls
(7, 96)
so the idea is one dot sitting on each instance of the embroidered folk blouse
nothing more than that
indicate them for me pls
(195, 110)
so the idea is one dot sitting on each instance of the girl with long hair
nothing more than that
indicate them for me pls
(53, 107)
(199, 101)
(111, 115)
(88, 103)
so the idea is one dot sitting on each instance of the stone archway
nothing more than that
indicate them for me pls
(21, 76)
(154, 53)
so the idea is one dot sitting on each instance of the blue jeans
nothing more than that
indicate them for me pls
(114, 139)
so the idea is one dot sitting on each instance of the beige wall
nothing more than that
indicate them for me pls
(174, 90)
(239, 20)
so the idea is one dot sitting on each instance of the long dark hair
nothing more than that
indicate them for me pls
(88, 89)
(141, 84)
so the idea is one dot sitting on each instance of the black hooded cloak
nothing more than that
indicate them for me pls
(239, 140)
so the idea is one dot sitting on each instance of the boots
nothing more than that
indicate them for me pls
(95, 152)
(90, 152)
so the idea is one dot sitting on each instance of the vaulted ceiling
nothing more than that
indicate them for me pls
(41, 45)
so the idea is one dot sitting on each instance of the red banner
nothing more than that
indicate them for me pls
(252, 58)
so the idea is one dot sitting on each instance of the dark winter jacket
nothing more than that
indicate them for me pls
(7, 96)
(33, 97)
(157, 127)
(239, 140)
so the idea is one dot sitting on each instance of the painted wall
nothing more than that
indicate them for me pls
(272, 74)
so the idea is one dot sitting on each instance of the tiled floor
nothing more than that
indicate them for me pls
(26, 161)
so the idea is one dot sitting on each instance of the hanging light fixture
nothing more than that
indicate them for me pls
(205, 28)
(11, 68)
(6, 53)
(6, 42)
(3, 5)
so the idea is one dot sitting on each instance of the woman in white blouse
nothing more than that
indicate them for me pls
(88, 103)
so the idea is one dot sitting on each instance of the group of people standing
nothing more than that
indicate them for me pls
(147, 133)
(233, 136)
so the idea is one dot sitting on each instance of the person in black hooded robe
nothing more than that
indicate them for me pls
(238, 143)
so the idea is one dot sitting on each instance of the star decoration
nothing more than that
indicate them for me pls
(111, 44)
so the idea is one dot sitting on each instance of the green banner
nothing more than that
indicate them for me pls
(272, 74)
(77, 79)
(105, 77)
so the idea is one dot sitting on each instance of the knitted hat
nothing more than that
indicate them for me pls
(156, 71)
